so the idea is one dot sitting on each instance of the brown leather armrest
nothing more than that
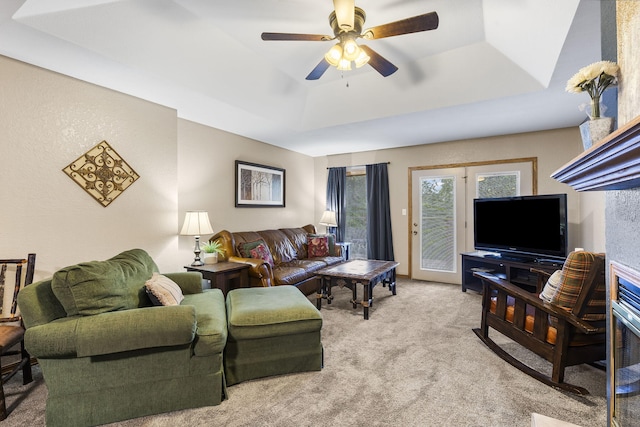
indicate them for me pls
(258, 268)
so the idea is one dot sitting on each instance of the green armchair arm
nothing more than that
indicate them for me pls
(113, 332)
(189, 281)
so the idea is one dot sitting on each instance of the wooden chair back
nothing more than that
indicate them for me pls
(20, 280)
(11, 328)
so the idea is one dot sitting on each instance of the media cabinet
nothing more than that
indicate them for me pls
(517, 272)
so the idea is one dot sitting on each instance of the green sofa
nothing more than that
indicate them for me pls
(108, 354)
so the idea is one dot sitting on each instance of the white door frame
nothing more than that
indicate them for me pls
(534, 187)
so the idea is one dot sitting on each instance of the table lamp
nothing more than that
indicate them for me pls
(329, 220)
(195, 224)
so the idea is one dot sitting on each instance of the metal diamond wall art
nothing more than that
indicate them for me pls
(102, 173)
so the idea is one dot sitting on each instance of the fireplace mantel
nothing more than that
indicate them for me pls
(611, 164)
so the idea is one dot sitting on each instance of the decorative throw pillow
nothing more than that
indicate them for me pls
(163, 291)
(318, 246)
(244, 248)
(257, 250)
(551, 287)
(262, 252)
(331, 240)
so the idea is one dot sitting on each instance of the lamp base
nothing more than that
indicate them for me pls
(197, 262)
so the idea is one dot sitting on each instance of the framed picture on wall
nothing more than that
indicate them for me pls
(259, 186)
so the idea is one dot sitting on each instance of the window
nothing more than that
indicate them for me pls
(497, 184)
(438, 218)
(356, 212)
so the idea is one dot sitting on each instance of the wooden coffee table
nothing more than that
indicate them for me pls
(351, 273)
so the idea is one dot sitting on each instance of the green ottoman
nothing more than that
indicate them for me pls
(271, 331)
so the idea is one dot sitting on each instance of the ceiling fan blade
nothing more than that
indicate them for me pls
(380, 64)
(317, 72)
(345, 13)
(290, 36)
(428, 21)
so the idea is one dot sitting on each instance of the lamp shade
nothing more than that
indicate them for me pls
(329, 219)
(196, 223)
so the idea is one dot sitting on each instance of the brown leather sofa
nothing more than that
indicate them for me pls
(288, 248)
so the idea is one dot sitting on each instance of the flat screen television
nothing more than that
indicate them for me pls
(524, 227)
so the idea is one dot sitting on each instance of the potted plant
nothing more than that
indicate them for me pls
(211, 250)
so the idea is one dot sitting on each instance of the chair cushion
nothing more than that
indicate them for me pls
(574, 272)
(163, 291)
(552, 331)
(10, 335)
(268, 312)
(101, 286)
(528, 321)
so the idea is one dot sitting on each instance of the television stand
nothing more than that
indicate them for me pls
(505, 257)
(513, 269)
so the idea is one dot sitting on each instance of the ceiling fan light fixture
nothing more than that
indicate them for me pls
(344, 65)
(362, 59)
(334, 55)
(350, 50)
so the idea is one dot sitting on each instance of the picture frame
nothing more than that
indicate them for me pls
(259, 186)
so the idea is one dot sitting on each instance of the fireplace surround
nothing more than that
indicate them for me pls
(614, 164)
(624, 346)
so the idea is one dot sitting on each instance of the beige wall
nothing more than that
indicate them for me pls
(206, 165)
(48, 120)
(552, 148)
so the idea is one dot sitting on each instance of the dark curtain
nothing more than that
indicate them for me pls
(379, 236)
(336, 184)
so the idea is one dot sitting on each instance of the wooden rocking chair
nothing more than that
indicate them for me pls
(11, 328)
(566, 331)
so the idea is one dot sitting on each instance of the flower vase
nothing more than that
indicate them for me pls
(594, 130)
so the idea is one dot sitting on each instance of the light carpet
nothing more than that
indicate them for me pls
(415, 362)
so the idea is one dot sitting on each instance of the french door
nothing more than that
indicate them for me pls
(442, 211)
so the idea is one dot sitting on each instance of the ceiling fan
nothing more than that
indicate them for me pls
(347, 21)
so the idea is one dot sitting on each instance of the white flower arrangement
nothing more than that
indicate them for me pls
(594, 79)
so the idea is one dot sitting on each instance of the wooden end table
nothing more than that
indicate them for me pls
(349, 274)
(225, 276)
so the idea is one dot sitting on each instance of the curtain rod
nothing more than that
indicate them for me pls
(359, 166)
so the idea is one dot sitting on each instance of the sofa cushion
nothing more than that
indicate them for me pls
(298, 239)
(293, 272)
(163, 291)
(318, 246)
(256, 250)
(100, 286)
(280, 246)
